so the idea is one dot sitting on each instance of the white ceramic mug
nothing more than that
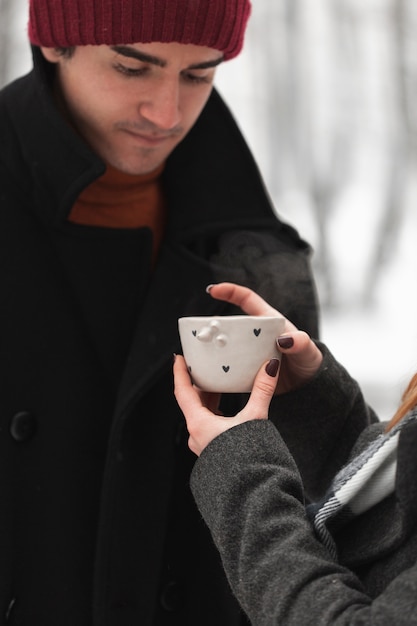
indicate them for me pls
(224, 353)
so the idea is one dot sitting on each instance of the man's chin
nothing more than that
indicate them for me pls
(136, 168)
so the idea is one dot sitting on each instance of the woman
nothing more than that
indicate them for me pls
(315, 516)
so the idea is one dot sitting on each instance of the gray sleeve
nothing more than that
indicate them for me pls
(249, 492)
(321, 422)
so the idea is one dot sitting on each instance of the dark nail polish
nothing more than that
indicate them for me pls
(272, 367)
(285, 342)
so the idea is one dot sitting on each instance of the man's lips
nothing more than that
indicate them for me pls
(148, 139)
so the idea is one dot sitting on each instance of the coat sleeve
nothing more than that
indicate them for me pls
(276, 264)
(249, 492)
(321, 422)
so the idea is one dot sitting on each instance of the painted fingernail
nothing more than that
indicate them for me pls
(285, 342)
(208, 288)
(272, 367)
(174, 357)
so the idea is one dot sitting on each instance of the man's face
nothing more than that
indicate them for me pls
(133, 104)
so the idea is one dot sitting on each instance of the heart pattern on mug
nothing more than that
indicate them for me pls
(257, 332)
(194, 333)
(226, 368)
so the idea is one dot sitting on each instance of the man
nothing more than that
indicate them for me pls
(126, 188)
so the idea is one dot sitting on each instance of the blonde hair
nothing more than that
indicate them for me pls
(409, 401)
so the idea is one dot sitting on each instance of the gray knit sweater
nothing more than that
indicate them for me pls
(252, 485)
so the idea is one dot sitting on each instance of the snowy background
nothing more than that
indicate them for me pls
(325, 94)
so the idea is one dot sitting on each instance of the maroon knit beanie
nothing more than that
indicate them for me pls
(218, 24)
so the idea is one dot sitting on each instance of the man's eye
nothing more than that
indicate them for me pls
(198, 79)
(129, 71)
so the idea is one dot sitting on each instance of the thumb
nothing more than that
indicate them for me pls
(263, 390)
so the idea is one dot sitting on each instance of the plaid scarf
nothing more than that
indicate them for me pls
(365, 481)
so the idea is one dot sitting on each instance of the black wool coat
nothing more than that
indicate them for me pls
(97, 524)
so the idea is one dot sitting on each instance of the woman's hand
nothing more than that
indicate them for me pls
(301, 357)
(300, 361)
(200, 408)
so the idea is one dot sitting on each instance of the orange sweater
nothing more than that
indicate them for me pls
(118, 200)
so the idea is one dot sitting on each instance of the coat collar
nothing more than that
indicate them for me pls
(386, 527)
(406, 486)
(61, 163)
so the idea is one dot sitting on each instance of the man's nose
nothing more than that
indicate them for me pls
(162, 108)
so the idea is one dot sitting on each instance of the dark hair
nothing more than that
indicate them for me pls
(67, 53)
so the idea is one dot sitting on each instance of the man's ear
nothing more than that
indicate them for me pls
(51, 54)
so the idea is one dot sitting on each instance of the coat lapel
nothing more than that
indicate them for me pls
(385, 527)
(406, 484)
(171, 295)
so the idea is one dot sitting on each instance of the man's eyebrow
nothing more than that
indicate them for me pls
(133, 53)
(206, 64)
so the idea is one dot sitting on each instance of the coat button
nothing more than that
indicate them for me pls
(172, 597)
(23, 426)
